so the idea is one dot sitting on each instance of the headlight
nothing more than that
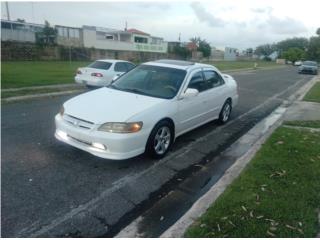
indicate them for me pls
(119, 127)
(61, 111)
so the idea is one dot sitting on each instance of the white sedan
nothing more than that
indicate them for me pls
(101, 72)
(146, 109)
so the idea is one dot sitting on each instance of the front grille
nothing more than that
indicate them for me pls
(77, 122)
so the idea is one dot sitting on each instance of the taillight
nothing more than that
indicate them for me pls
(96, 75)
(79, 72)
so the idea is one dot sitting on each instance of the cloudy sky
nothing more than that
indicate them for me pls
(234, 23)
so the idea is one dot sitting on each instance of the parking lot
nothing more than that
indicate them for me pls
(47, 184)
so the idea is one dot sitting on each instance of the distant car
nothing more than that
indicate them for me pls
(298, 63)
(308, 67)
(101, 72)
(146, 109)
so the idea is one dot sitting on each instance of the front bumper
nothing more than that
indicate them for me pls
(117, 146)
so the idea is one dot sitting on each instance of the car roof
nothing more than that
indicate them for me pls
(179, 64)
(111, 60)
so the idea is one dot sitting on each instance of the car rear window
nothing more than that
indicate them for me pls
(100, 65)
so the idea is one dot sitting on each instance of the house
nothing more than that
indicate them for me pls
(87, 36)
(19, 31)
(123, 40)
(230, 54)
(216, 54)
(69, 36)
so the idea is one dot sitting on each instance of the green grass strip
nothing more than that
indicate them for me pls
(277, 195)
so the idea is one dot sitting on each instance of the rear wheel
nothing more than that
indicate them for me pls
(225, 112)
(160, 140)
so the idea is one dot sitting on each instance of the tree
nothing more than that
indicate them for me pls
(294, 54)
(318, 32)
(313, 51)
(249, 52)
(265, 49)
(183, 52)
(47, 36)
(295, 42)
(202, 46)
(205, 48)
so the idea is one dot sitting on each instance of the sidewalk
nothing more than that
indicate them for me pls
(298, 111)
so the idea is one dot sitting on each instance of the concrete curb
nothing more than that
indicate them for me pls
(26, 97)
(267, 126)
(40, 87)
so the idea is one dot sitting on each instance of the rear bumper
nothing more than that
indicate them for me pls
(311, 71)
(94, 81)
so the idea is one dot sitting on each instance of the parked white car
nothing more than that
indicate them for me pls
(101, 72)
(298, 63)
(146, 109)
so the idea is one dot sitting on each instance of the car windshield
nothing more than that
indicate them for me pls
(100, 65)
(154, 81)
(309, 63)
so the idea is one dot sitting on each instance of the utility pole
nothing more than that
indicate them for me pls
(8, 13)
(8, 17)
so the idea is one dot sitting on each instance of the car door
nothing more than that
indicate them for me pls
(192, 111)
(120, 68)
(218, 92)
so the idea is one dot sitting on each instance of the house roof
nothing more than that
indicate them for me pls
(133, 30)
(192, 46)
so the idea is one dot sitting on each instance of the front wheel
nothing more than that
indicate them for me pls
(225, 112)
(160, 140)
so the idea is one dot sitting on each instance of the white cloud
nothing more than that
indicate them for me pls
(242, 24)
(204, 16)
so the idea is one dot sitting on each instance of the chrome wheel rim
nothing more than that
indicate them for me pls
(226, 112)
(162, 140)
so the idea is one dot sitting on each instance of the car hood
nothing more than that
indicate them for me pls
(108, 105)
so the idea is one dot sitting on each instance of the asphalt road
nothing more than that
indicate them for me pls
(45, 181)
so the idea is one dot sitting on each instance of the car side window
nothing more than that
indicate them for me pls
(213, 79)
(197, 82)
(120, 67)
(130, 66)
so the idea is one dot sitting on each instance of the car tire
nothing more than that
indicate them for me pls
(225, 112)
(160, 140)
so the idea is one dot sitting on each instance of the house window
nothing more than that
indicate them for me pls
(110, 37)
(140, 40)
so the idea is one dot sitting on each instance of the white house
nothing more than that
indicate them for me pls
(128, 40)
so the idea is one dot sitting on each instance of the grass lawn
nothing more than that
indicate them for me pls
(229, 65)
(277, 195)
(35, 73)
(314, 94)
(17, 74)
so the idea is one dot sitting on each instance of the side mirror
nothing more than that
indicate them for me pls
(190, 92)
(115, 78)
